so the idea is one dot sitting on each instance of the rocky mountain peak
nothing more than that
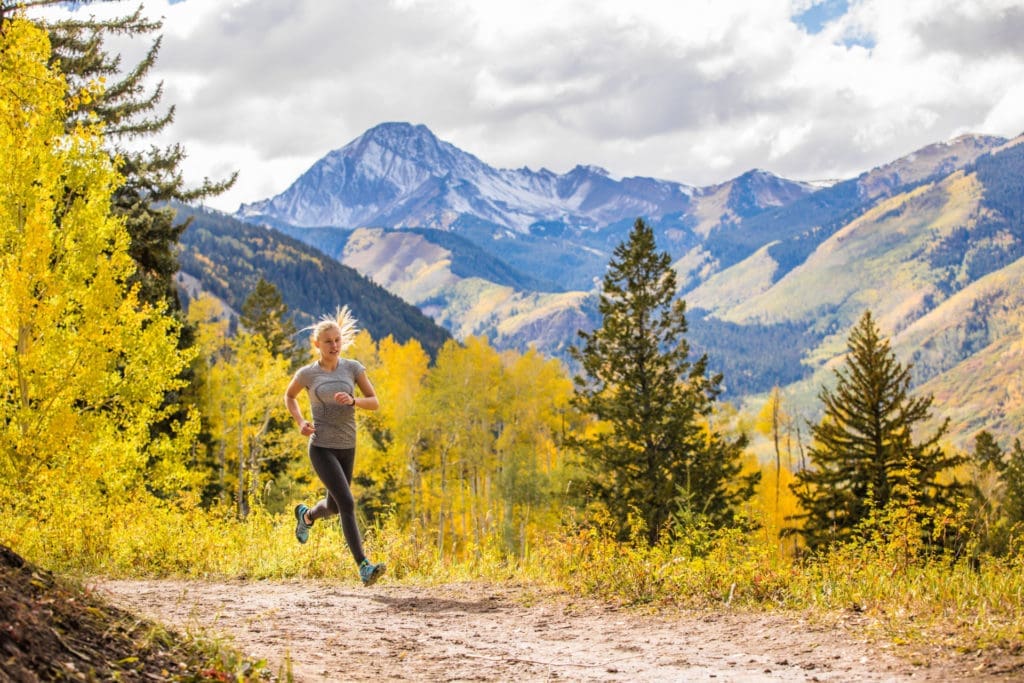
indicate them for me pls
(402, 175)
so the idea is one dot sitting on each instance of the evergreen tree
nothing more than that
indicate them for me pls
(987, 522)
(265, 314)
(1012, 476)
(863, 457)
(997, 483)
(660, 453)
(128, 111)
(987, 452)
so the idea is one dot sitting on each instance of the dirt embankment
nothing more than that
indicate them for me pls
(51, 629)
(335, 631)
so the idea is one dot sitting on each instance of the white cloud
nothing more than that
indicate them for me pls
(696, 91)
(1006, 114)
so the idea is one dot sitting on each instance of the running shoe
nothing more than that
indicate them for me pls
(301, 528)
(369, 573)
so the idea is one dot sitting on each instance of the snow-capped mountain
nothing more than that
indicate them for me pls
(775, 271)
(401, 175)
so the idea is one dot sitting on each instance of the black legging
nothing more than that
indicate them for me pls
(334, 467)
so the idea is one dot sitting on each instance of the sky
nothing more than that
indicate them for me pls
(692, 91)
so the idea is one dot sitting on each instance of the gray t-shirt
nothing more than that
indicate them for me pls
(335, 424)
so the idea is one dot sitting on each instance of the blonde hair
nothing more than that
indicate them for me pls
(343, 321)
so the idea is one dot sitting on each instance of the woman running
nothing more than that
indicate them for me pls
(331, 383)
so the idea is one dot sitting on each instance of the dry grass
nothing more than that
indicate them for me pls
(963, 607)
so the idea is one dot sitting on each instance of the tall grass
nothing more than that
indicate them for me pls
(964, 606)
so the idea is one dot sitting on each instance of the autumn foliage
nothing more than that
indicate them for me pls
(85, 364)
(466, 470)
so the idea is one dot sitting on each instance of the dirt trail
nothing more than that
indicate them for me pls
(332, 631)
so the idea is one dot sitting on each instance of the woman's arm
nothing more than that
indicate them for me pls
(368, 401)
(291, 401)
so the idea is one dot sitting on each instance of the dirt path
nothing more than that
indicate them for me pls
(474, 632)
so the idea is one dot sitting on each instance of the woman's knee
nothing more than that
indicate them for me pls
(345, 504)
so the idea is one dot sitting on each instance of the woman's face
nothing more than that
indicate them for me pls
(329, 343)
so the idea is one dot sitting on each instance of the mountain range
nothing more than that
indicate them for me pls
(774, 271)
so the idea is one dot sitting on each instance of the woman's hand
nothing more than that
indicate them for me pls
(307, 428)
(345, 399)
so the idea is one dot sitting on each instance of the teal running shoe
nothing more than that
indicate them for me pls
(301, 528)
(369, 573)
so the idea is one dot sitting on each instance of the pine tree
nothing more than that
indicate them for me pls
(987, 452)
(265, 314)
(265, 317)
(1012, 476)
(864, 457)
(660, 453)
(128, 111)
(997, 484)
(987, 525)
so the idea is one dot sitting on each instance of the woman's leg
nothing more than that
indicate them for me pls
(334, 467)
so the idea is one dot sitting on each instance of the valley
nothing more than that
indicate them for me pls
(774, 271)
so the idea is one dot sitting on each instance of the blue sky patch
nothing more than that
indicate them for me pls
(814, 19)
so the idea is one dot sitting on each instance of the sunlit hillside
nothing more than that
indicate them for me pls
(985, 391)
(969, 354)
(421, 272)
(938, 264)
(730, 288)
(226, 258)
(873, 262)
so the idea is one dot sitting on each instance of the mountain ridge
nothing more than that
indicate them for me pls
(760, 256)
(401, 175)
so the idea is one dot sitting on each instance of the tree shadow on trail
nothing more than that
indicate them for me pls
(491, 603)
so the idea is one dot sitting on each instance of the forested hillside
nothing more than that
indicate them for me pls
(775, 271)
(754, 357)
(229, 257)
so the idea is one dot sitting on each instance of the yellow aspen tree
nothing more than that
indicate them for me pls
(480, 377)
(371, 431)
(771, 422)
(460, 417)
(534, 416)
(210, 322)
(398, 372)
(242, 394)
(84, 365)
(260, 375)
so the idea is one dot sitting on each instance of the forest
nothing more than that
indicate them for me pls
(143, 439)
(232, 257)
